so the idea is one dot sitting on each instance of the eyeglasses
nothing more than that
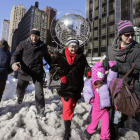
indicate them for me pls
(128, 35)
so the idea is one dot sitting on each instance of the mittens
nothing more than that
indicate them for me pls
(63, 85)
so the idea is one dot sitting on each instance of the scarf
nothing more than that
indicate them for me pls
(120, 54)
(70, 57)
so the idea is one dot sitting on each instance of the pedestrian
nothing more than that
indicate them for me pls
(71, 63)
(125, 51)
(47, 73)
(5, 67)
(96, 93)
(27, 60)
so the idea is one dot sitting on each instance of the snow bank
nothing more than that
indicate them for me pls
(19, 122)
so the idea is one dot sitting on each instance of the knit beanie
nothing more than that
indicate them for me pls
(98, 72)
(125, 26)
(72, 40)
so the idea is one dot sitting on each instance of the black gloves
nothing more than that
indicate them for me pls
(66, 98)
(114, 68)
(105, 63)
(63, 85)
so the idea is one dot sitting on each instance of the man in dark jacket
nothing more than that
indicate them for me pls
(27, 59)
(5, 67)
(125, 51)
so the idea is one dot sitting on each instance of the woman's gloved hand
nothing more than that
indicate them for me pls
(63, 85)
(105, 63)
(63, 82)
(115, 68)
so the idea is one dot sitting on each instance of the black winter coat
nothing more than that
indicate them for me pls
(133, 56)
(5, 67)
(75, 81)
(30, 57)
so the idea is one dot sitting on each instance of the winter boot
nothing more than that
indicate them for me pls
(114, 132)
(19, 100)
(67, 130)
(87, 135)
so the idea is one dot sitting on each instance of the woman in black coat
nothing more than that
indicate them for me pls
(125, 51)
(72, 64)
(5, 67)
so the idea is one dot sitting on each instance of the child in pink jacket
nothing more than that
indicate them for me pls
(100, 100)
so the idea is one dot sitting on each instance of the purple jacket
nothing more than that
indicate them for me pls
(103, 90)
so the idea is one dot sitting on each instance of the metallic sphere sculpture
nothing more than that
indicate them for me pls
(70, 25)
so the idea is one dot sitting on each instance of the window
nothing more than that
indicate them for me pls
(111, 17)
(95, 42)
(95, 23)
(89, 50)
(103, 42)
(111, 29)
(103, 31)
(110, 40)
(104, 9)
(96, 12)
(103, 20)
(95, 33)
(111, 6)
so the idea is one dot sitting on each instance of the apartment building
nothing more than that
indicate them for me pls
(104, 16)
(5, 29)
(16, 15)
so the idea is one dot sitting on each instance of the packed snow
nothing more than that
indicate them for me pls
(19, 122)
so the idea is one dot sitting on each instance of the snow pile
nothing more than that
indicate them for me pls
(19, 122)
(10, 89)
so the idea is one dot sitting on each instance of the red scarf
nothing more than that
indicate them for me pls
(70, 57)
(122, 47)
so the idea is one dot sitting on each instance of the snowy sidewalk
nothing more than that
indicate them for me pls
(18, 122)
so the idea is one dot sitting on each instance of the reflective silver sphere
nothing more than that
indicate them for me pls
(70, 25)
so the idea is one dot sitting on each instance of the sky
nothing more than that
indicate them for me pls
(7, 5)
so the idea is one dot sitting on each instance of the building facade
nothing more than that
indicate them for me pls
(136, 13)
(14, 40)
(5, 29)
(16, 15)
(34, 18)
(51, 15)
(104, 16)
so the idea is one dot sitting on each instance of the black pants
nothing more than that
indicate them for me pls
(39, 95)
(2, 87)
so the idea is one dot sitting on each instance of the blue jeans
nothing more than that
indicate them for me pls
(15, 74)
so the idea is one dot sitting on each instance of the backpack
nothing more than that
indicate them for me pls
(123, 95)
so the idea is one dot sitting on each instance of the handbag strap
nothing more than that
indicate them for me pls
(133, 65)
(132, 83)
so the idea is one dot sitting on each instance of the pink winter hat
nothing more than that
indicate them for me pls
(98, 72)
